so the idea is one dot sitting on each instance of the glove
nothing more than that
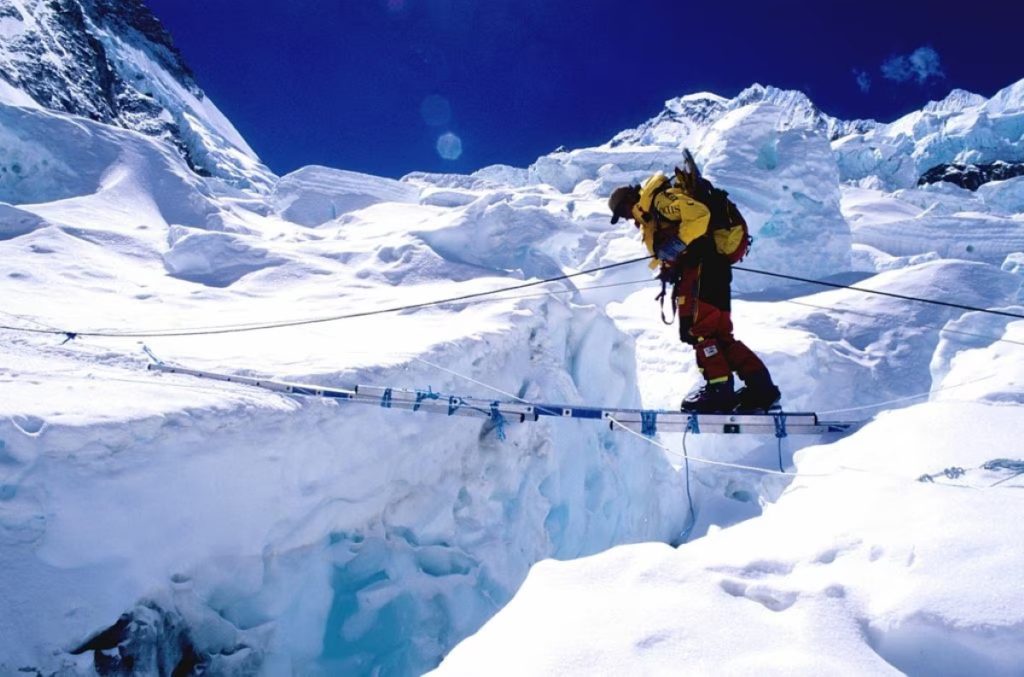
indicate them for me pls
(670, 249)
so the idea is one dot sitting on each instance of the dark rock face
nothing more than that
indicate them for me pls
(972, 176)
(74, 56)
(154, 640)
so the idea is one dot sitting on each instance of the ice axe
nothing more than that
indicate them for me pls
(689, 176)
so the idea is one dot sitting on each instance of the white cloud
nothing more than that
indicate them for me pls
(922, 64)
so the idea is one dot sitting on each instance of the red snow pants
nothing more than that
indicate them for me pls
(703, 297)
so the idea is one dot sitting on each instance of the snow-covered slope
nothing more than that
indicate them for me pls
(857, 568)
(175, 524)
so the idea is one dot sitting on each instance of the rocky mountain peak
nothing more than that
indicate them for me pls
(112, 61)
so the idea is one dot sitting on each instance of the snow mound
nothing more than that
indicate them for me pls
(497, 233)
(1005, 196)
(49, 158)
(314, 195)
(15, 222)
(214, 259)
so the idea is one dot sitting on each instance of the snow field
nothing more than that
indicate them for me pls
(295, 535)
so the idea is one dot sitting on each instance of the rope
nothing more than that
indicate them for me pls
(707, 461)
(421, 395)
(880, 293)
(230, 329)
(649, 425)
(463, 376)
(499, 420)
(1016, 467)
(320, 320)
(889, 316)
(691, 517)
(904, 399)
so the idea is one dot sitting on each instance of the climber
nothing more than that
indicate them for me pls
(694, 243)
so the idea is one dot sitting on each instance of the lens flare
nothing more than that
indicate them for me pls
(449, 146)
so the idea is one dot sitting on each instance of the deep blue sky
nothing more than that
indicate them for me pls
(343, 82)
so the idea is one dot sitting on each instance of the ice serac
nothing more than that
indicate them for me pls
(780, 168)
(303, 535)
(114, 62)
(963, 128)
(314, 195)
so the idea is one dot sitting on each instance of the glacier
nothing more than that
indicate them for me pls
(158, 523)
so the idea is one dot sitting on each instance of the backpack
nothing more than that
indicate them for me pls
(727, 226)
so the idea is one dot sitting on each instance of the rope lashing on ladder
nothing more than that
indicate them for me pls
(649, 423)
(499, 420)
(427, 394)
(692, 426)
(453, 404)
(780, 425)
(385, 400)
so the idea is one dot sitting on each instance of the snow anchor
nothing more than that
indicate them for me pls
(949, 473)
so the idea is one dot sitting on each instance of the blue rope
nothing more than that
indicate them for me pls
(691, 518)
(780, 425)
(649, 425)
(780, 432)
(421, 395)
(949, 473)
(692, 426)
(499, 421)
(385, 400)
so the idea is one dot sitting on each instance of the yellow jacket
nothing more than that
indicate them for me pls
(671, 208)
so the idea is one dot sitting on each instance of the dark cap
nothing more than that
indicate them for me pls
(622, 196)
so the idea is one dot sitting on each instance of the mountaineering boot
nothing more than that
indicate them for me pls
(759, 394)
(711, 398)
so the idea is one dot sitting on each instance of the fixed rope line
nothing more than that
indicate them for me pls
(319, 320)
(889, 316)
(906, 398)
(894, 295)
(230, 329)
(708, 461)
